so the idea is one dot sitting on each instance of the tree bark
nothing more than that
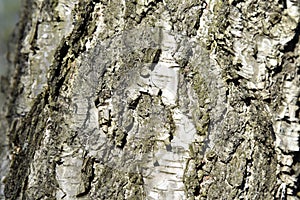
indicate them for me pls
(154, 99)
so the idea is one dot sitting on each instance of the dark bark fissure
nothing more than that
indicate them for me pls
(291, 45)
(28, 133)
(31, 129)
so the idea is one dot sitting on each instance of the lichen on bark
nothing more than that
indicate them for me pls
(155, 100)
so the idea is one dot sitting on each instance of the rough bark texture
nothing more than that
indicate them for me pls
(154, 99)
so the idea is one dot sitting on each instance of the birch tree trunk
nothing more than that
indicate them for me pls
(154, 99)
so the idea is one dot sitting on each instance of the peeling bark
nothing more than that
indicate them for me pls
(154, 100)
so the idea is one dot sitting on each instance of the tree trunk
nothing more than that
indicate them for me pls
(154, 100)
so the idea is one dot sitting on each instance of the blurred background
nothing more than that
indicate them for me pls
(9, 14)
